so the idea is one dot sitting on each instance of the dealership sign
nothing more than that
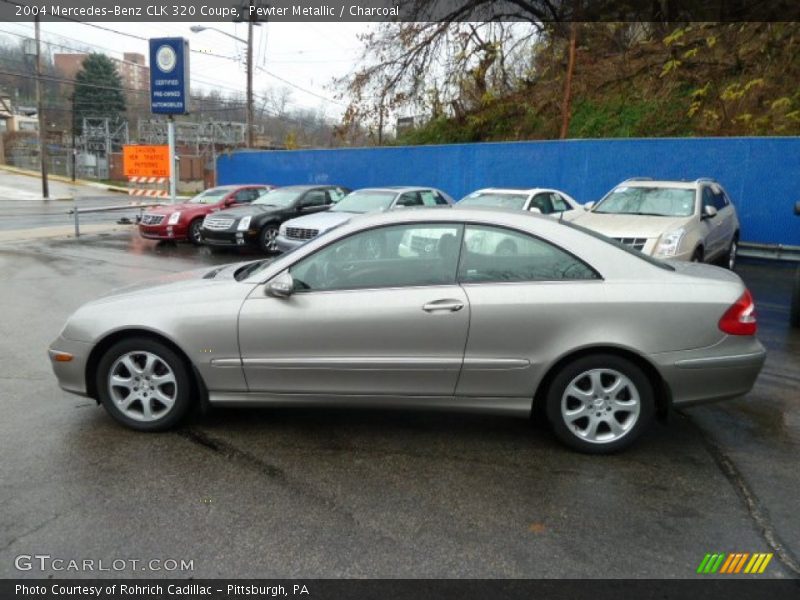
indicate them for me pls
(169, 76)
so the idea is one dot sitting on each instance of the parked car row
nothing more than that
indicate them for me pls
(681, 220)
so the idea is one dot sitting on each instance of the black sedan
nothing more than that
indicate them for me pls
(257, 223)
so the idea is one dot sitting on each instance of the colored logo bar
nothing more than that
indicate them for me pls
(734, 563)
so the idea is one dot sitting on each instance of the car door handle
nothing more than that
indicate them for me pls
(448, 305)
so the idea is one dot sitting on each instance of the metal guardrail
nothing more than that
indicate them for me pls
(770, 251)
(76, 212)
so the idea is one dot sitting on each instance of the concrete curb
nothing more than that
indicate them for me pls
(95, 184)
(62, 179)
(59, 231)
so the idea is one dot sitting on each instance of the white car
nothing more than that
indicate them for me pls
(684, 220)
(537, 200)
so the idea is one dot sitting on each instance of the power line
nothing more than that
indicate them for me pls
(302, 89)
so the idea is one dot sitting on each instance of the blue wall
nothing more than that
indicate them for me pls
(762, 175)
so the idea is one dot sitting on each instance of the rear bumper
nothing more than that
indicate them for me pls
(724, 371)
(71, 375)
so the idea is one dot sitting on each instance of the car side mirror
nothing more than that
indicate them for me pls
(534, 210)
(709, 212)
(229, 201)
(589, 205)
(281, 286)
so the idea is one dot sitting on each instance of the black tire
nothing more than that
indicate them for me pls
(194, 232)
(571, 435)
(728, 260)
(266, 238)
(697, 256)
(182, 390)
(794, 313)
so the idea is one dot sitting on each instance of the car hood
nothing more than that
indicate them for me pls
(322, 221)
(618, 226)
(250, 210)
(184, 282)
(167, 209)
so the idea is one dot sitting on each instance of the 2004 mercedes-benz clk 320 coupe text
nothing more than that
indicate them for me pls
(564, 323)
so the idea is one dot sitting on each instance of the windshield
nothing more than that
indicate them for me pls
(495, 199)
(281, 197)
(653, 201)
(364, 202)
(211, 196)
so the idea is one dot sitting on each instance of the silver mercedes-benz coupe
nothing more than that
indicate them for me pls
(477, 309)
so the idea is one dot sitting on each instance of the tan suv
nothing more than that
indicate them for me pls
(683, 220)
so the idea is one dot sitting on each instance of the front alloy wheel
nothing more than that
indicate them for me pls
(195, 234)
(143, 384)
(267, 237)
(600, 403)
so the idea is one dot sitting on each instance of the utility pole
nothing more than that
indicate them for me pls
(249, 116)
(173, 159)
(40, 113)
(74, 150)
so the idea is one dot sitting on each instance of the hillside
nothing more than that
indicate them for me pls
(694, 80)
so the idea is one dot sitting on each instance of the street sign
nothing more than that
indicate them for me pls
(145, 161)
(169, 76)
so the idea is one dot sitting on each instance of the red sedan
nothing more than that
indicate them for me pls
(183, 221)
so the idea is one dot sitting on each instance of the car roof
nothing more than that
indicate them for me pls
(396, 189)
(306, 187)
(665, 183)
(513, 190)
(500, 216)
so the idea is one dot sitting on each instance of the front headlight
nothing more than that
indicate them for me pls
(173, 218)
(670, 242)
(244, 223)
(282, 230)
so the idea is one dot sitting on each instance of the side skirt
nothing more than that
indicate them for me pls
(520, 407)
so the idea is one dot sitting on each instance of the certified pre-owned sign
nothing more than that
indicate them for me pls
(169, 76)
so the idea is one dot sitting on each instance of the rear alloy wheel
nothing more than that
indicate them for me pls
(600, 404)
(267, 237)
(733, 250)
(195, 234)
(144, 385)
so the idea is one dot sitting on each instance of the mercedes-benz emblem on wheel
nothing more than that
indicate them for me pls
(166, 58)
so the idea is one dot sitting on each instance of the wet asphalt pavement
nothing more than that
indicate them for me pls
(326, 493)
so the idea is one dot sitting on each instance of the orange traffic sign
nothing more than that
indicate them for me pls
(145, 161)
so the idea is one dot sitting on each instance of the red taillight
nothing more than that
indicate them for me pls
(740, 319)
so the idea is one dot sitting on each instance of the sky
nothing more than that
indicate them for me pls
(307, 56)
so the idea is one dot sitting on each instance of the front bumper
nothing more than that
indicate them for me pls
(163, 232)
(726, 370)
(285, 244)
(71, 374)
(228, 239)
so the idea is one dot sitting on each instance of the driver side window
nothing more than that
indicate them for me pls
(313, 198)
(244, 196)
(417, 254)
(542, 203)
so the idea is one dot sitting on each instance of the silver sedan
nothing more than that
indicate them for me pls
(562, 323)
